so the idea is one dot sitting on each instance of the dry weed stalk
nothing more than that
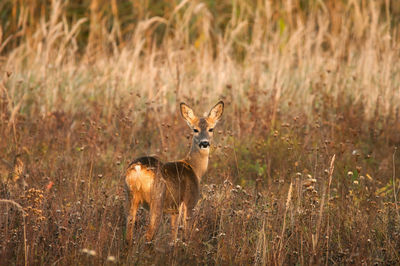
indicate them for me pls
(315, 237)
(19, 207)
(279, 256)
(394, 183)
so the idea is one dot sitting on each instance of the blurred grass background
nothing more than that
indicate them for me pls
(86, 86)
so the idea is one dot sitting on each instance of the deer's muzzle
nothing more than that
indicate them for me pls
(204, 144)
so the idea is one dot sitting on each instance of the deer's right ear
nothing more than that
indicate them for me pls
(188, 114)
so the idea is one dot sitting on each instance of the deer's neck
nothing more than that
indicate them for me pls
(198, 160)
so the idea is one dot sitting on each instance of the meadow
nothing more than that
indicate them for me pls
(304, 165)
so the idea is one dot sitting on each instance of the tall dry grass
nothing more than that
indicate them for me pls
(87, 86)
(352, 46)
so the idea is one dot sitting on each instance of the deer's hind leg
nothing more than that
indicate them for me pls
(130, 220)
(156, 208)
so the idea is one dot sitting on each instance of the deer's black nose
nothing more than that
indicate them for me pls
(204, 144)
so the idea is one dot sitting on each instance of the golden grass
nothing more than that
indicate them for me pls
(283, 56)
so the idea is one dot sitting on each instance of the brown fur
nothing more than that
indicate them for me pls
(171, 187)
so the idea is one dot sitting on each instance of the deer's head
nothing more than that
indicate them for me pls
(203, 127)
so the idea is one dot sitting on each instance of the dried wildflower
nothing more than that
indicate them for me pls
(89, 252)
(310, 188)
(111, 258)
(84, 250)
(350, 174)
(49, 186)
(309, 182)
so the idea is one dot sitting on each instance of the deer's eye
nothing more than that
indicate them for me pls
(196, 130)
(210, 130)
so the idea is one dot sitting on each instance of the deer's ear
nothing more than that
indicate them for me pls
(188, 114)
(216, 112)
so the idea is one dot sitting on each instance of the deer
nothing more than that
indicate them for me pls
(172, 187)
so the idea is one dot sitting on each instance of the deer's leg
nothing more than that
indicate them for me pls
(187, 220)
(130, 221)
(174, 227)
(156, 209)
(175, 219)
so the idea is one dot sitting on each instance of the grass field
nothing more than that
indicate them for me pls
(304, 167)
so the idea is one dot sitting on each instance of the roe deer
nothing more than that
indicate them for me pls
(171, 187)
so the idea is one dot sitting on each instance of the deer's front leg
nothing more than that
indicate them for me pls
(175, 219)
(187, 220)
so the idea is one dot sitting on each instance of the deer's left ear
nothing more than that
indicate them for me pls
(216, 112)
